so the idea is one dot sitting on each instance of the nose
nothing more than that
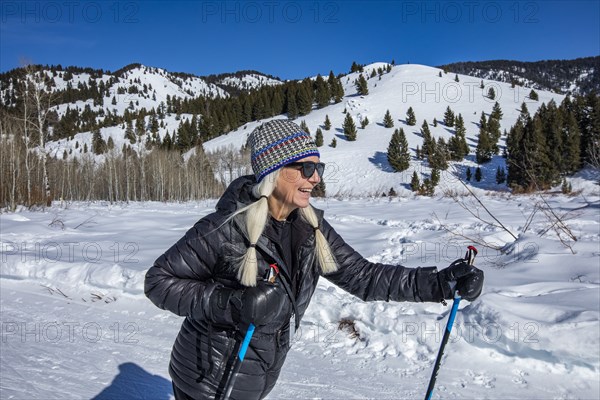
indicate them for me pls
(315, 178)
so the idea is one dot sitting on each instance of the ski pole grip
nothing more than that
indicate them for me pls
(470, 256)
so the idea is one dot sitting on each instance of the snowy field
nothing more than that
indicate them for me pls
(75, 323)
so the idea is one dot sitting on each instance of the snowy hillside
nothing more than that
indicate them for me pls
(249, 81)
(580, 76)
(133, 88)
(361, 167)
(354, 168)
(76, 324)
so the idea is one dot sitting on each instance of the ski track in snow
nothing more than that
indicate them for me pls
(78, 328)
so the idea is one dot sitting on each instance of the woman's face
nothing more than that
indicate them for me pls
(293, 188)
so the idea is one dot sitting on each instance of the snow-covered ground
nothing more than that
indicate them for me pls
(75, 323)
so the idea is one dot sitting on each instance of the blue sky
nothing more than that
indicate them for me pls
(292, 39)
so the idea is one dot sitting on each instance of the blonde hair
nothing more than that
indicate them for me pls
(256, 217)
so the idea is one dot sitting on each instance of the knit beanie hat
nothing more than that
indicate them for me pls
(277, 143)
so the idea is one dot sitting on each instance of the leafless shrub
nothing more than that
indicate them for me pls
(348, 325)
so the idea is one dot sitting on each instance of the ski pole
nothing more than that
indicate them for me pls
(271, 277)
(238, 361)
(470, 259)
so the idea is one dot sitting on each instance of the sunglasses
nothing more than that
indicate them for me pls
(308, 168)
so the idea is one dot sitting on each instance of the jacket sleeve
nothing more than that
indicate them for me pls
(374, 281)
(180, 280)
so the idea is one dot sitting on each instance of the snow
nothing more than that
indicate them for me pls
(76, 324)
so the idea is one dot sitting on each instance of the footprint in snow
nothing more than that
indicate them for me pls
(519, 379)
(481, 379)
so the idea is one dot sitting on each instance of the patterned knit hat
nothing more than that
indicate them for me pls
(277, 143)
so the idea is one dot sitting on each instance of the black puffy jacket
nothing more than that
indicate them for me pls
(183, 278)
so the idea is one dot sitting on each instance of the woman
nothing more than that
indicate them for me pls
(217, 274)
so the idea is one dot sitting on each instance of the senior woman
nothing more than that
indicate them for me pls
(217, 274)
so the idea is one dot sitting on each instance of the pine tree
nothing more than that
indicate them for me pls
(456, 78)
(529, 166)
(411, 119)
(496, 112)
(364, 122)
(435, 177)
(533, 95)
(457, 146)
(322, 92)
(449, 117)
(319, 137)
(469, 174)
(500, 175)
(524, 114)
(415, 184)
(129, 132)
(110, 144)
(491, 94)
(355, 67)
(98, 143)
(398, 153)
(304, 127)
(361, 86)
(428, 142)
(167, 143)
(304, 98)
(427, 188)
(333, 143)
(291, 103)
(388, 122)
(572, 144)
(493, 129)
(438, 159)
(335, 88)
(482, 121)
(478, 175)
(392, 193)
(483, 151)
(349, 128)
(327, 123)
(435, 122)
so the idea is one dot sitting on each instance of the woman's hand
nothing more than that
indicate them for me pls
(463, 277)
(256, 305)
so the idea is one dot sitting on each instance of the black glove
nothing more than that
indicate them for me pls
(463, 277)
(256, 305)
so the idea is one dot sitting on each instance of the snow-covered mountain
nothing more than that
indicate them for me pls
(361, 167)
(579, 76)
(358, 167)
(243, 81)
(133, 87)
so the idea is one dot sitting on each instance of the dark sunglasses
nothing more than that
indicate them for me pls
(309, 167)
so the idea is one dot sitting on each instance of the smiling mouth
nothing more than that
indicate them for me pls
(304, 190)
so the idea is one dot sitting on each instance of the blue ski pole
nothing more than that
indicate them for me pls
(238, 361)
(273, 273)
(470, 258)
